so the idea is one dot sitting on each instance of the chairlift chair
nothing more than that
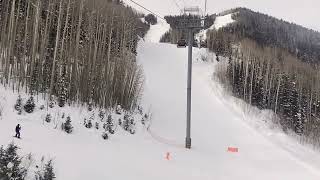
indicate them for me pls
(182, 43)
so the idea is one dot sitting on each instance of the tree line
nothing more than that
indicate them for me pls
(269, 31)
(270, 77)
(84, 51)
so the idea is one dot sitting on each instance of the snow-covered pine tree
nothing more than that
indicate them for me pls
(18, 105)
(90, 106)
(101, 114)
(110, 120)
(51, 101)
(151, 19)
(91, 119)
(140, 109)
(10, 163)
(97, 125)
(132, 131)
(132, 125)
(126, 122)
(89, 124)
(48, 171)
(119, 109)
(105, 135)
(30, 105)
(299, 124)
(109, 126)
(68, 126)
(48, 118)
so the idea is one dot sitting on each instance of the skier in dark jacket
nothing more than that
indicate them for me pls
(18, 128)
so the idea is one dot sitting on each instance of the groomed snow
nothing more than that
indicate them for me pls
(217, 123)
(221, 21)
(156, 31)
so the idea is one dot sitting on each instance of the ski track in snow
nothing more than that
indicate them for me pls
(217, 123)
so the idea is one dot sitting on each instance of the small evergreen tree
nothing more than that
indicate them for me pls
(90, 106)
(30, 105)
(18, 105)
(46, 173)
(105, 135)
(68, 126)
(140, 109)
(48, 118)
(118, 109)
(126, 122)
(51, 102)
(110, 120)
(109, 126)
(132, 131)
(101, 114)
(151, 19)
(89, 124)
(10, 163)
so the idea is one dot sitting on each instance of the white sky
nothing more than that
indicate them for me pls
(306, 12)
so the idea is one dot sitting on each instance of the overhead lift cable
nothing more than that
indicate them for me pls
(147, 9)
(175, 2)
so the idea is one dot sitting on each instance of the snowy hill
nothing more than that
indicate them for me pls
(218, 122)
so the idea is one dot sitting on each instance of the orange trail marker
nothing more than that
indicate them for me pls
(168, 156)
(233, 149)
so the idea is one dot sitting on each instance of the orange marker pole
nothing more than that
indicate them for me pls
(233, 149)
(168, 156)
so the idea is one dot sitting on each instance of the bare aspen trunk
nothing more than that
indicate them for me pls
(55, 50)
(64, 34)
(251, 83)
(10, 42)
(277, 95)
(73, 80)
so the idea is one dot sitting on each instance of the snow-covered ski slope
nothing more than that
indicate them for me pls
(216, 125)
(221, 21)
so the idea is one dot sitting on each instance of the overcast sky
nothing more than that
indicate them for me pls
(303, 12)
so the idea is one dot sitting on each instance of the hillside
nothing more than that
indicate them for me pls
(268, 31)
(264, 71)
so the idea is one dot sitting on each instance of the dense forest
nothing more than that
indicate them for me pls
(263, 70)
(74, 50)
(268, 31)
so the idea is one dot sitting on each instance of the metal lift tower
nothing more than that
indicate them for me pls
(190, 21)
